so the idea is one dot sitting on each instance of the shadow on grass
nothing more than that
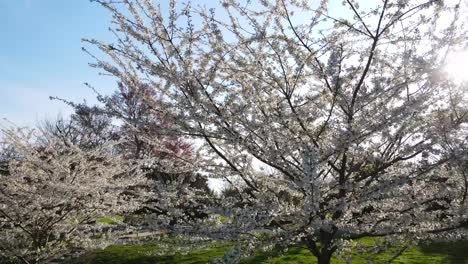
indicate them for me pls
(433, 253)
(455, 252)
(146, 255)
(296, 255)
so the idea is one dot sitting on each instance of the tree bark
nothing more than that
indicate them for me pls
(324, 257)
(323, 254)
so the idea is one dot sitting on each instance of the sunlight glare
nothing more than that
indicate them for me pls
(457, 66)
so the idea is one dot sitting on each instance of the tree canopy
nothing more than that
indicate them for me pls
(345, 110)
(327, 123)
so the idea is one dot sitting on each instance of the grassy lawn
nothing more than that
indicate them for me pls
(145, 255)
(435, 253)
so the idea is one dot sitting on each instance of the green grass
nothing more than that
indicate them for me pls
(129, 254)
(435, 253)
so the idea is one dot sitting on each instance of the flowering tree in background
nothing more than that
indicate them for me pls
(53, 191)
(336, 122)
(143, 132)
(166, 157)
(168, 160)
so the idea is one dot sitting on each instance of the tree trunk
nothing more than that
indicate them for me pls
(324, 250)
(325, 257)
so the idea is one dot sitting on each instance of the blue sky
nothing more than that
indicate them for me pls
(40, 56)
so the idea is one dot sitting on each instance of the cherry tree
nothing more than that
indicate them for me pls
(141, 137)
(166, 158)
(52, 193)
(332, 123)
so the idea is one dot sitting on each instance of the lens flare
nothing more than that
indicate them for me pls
(457, 66)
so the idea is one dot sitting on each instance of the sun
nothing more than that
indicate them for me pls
(457, 66)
